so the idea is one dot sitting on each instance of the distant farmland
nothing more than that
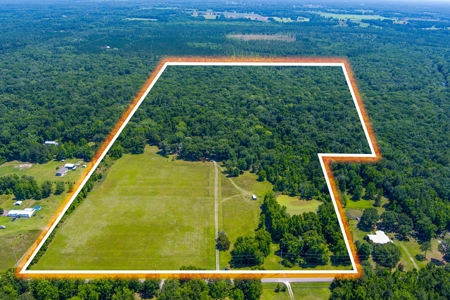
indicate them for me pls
(249, 37)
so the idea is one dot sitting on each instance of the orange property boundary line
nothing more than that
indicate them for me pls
(325, 159)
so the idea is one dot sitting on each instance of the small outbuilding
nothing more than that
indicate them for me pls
(18, 203)
(24, 213)
(379, 237)
(51, 143)
(62, 171)
(254, 197)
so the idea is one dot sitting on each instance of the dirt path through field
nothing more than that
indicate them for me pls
(244, 192)
(216, 211)
(410, 257)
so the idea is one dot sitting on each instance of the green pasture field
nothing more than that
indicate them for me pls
(295, 206)
(311, 290)
(351, 16)
(238, 213)
(19, 235)
(42, 172)
(150, 213)
(270, 294)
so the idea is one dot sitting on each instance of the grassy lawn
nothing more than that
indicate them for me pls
(14, 245)
(270, 294)
(248, 181)
(21, 233)
(238, 213)
(295, 206)
(150, 213)
(42, 172)
(311, 290)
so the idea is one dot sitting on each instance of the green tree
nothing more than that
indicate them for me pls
(404, 231)
(426, 228)
(370, 190)
(386, 255)
(252, 288)
(262, 175)
(44, 290)
(222, 242)
(425, 247)
(364, 250)
(219, 288)
(389, 221)
(46, 189)
(150, 288)
(357, 192)
(60, 188)
(378, 199)
(368, 219)
(236, 294)
(123, 294)
(116, 151)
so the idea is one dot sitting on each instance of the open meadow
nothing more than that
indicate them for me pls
(149, 213)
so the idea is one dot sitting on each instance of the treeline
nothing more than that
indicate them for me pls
(431, 282)
(26, 187)
(12, 288)
(305, 240)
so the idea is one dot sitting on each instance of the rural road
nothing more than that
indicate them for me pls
(216, 211)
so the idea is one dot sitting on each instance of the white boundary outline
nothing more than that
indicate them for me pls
(24, 270)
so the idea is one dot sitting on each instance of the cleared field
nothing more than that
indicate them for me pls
(311, 290)
(297, 207)
(150, 213)
(270, 294)
(264, 37)
(42, 172)
(238, 213)
(352, 16)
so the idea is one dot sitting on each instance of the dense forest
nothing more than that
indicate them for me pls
(12, 288)
(68, 73)
(270, 120)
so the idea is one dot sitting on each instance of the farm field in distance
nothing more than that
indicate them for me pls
(149, 213)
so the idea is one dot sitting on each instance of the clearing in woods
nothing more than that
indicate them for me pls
(158, 211)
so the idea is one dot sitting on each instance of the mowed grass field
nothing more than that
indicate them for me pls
(21, 234)
(150, 213)
(238, 213)
(295, 206)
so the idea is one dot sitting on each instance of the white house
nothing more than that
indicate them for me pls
(24, 213)
(379, 237)
(51, 143)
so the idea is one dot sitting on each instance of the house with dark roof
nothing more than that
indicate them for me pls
(62, 171)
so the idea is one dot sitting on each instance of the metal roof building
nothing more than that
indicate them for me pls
(24, 213)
